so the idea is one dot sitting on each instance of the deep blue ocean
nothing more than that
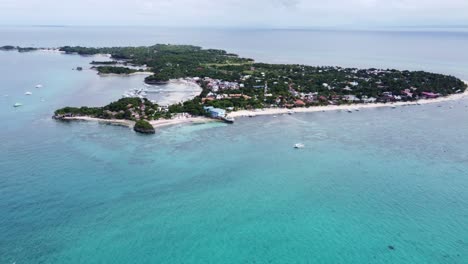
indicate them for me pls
(214, 193)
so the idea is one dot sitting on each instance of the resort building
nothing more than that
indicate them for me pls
(215, 112)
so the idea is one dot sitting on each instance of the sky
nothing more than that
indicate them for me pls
(236, 13)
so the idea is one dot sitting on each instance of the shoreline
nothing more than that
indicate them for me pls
(353, 107)
(267, 111)
(155, 123)
(123, 75)
(121, 122)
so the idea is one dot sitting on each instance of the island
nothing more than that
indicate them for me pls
(231, 84)
(19, 49)
(144, 127)
(114, 70)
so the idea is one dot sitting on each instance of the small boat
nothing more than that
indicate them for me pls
(251, 115)
(349, 111)
(17, 105)
(39, 86)
(393, 106)
(299, 146)
(27, 93)
(228, 120)
(290, 112)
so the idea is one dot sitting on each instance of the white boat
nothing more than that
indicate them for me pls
(290, 112)
(349, 111)
(229, 120)
(393, 106)
(17, 105)
(27, 93)
(39, 86)
(299, 146)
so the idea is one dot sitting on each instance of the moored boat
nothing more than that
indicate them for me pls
(228, 120)
(299, 146)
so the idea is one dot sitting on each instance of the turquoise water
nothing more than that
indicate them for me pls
(214, 193)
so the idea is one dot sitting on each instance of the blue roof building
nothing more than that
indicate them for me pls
(215, 112)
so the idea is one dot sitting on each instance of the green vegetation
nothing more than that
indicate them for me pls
(19, 49)
(177, 61)
(125, 108)
(231, 82)
(27, 49)
(337, 81)
(8, 47)
(133, 109)
(142, 126)
(104, 62)
(79, 111)
(170, 61)
(114, 70)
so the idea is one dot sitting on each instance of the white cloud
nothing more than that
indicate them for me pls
(266, 13)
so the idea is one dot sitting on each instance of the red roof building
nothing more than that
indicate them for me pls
(299, 103)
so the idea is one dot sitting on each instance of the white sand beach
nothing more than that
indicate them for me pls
(278, 111)
(142, 73)
(121, 122)
(181, 119)
(154, 123)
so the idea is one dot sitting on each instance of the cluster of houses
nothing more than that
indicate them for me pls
(314, 98)
(215, 112)
(219, 90)
(136, 112)
(218, 113)
(211, 96)
(216, 85)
